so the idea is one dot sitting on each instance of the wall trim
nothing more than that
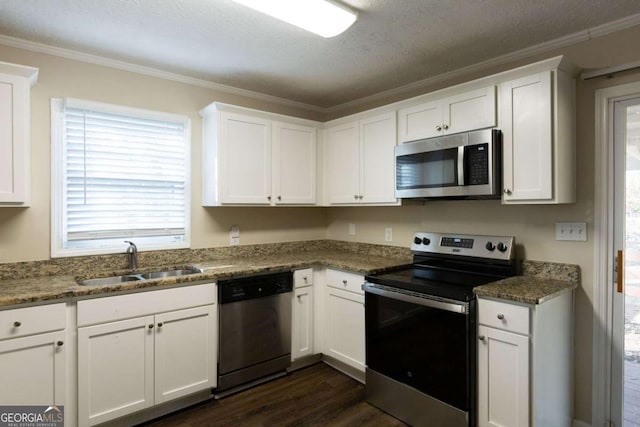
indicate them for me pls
(150, 71)
(603, 251)
(580, 36)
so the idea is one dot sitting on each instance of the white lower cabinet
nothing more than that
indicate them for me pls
(128, 365)
(524, 363)
(344, 318)
(33, 355)
(303, 310)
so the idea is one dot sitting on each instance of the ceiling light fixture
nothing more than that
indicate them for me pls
(321, 17)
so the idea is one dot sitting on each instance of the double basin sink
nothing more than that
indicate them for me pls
(134, 277)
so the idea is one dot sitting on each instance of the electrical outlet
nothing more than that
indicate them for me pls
(234, 236)
(352, 229)
(574, 231)
(388, 234)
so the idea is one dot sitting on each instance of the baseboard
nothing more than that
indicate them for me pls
(304, 362)
(344, 368)
(578, 423)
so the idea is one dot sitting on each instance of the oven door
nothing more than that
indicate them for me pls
(423, 343)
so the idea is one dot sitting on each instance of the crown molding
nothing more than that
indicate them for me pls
(580, 36)
(152, 72)
(541, 48)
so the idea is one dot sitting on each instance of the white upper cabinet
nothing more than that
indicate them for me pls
(15, 88)
(256, 158)
(537, 117)
(469, 110)
(360, 162)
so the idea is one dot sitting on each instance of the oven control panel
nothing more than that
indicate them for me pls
(480, 246)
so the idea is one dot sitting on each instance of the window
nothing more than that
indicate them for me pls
(118, 174)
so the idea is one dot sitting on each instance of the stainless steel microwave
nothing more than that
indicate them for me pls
(464, 165)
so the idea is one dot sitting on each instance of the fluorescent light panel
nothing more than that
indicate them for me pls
(317, 16)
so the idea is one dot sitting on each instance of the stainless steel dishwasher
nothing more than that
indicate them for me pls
(254, 329)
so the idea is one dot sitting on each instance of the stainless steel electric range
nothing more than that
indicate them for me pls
(420, 322)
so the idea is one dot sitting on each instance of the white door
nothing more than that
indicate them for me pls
(302, 327)
(503, 378)
(185, 352)
(625, 377)
(35, 367)
(343, 164)
(294, 164)
(245, 159)
(421, 121)
(115, 369)
(378, 168)
(526, 123)
(470, 110)
(344, 327)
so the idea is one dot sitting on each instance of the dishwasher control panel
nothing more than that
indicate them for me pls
(251, 287)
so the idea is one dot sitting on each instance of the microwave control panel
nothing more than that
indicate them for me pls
(478, 164)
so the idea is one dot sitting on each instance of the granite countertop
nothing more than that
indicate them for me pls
(540, 282)
(57, 279)
(61, 287)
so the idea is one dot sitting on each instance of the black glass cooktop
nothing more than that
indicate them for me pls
(445, 280)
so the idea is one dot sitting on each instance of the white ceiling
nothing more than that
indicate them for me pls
(392, 44)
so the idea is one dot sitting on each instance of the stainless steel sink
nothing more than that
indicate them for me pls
(160, 274)
(168, 273)
(113, 280)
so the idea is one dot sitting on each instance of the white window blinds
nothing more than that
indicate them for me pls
(124, 176)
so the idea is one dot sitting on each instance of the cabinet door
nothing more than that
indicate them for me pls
(294, 164)
(14, 139)
(185, 352)
(115, 369)
(244, 159)
(526, 122)
(302, 327)
(344, 327)
(470, 110)
(343, 163)
(421, 121)
(35, 369)
(503, 378)
(377, 167)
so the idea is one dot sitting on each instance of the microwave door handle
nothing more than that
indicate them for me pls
(461, 165)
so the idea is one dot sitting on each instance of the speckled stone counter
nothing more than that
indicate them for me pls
(540, 282)
(58, 279)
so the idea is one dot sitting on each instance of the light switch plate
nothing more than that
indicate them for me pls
(388, 234)
(352, 229)
(574, 231)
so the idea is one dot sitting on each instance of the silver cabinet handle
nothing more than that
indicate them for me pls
(500, 316)
(151, 326)
(17, 324)
(269, 198)
(507, 191)
(344, 282)
(279, 197)
(299, 297)
(60, 343)
(438, 128)
(445, 126)
(481, 338)
(304, 278)
(160, 325)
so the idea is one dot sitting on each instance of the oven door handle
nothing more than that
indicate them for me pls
(426, 302)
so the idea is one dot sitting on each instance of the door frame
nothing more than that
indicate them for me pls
(604, 249)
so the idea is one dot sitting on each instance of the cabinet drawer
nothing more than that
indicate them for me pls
(346, 281)
(502, 315)
(109, 309)
(303, 277)
(32, 320)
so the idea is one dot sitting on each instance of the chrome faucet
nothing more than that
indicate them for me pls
(132, 255)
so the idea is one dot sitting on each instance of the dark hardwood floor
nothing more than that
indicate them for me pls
(314, 396)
